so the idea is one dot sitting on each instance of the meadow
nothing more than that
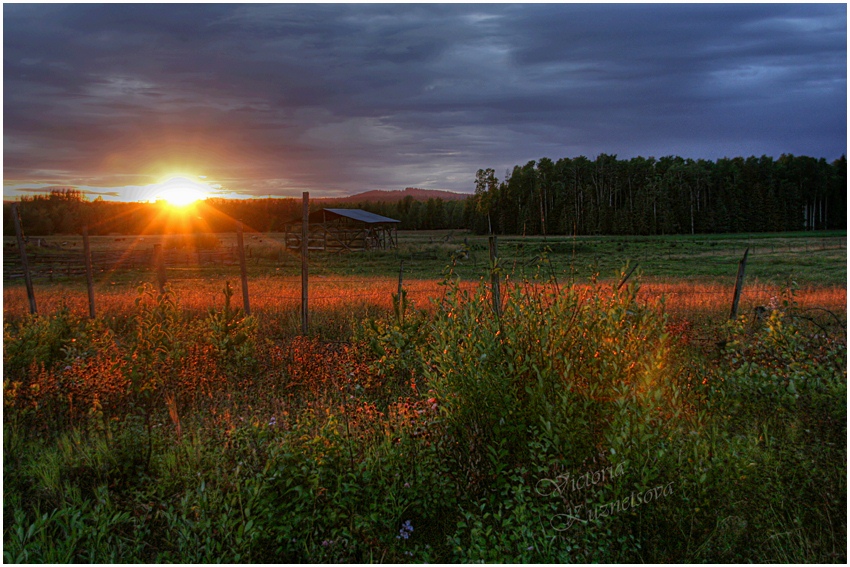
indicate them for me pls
(584, 422)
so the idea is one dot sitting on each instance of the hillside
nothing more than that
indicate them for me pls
(396, 196)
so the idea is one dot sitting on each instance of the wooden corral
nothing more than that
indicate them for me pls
(337, 230)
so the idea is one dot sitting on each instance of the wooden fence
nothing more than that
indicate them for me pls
(53, 263)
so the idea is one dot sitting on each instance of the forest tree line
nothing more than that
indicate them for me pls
(67, 211)
(643, 196)
(670, 195)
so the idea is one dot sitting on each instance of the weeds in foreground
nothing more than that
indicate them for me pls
(574, 427)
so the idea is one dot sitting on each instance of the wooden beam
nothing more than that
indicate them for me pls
(739, 284)
(22, 248)
(89, 276)
(246, 304)
(305, 242)
(494, 277)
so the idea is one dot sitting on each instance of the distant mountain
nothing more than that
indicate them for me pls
(396, 196)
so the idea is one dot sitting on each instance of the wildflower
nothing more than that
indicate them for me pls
(405, 531)
(407, 485)
(272, 422)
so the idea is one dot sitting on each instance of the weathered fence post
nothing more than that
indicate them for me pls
(246, 305)
(89, 275)
(739, 283)
(627, 276)
(22, 248)
(494, 277)
(400, 298)
(159, 266)
(305, 238)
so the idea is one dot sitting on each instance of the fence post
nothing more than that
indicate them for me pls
(89, 276)
(400, 291)
(22, 248)
(305, 238)
(159, 266)
(627, 276)
(246, 305)
(494, 277)
(739, 283)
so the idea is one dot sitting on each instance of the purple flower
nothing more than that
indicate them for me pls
(405, 531)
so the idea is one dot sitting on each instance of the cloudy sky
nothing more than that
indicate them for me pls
(274, 99)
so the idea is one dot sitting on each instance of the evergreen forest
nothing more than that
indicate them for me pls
(670, 195)
(571, 196)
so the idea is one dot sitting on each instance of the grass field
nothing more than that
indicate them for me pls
(695, 273)
(806, 257)
(584, 423)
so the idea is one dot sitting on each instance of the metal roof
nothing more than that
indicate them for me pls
(354, 214)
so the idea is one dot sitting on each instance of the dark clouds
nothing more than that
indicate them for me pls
(276, 99)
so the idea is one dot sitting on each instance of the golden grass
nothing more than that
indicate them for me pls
(336, 301)
(352, 294)
(684, 298)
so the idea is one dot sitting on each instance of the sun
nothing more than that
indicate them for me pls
(181, 192)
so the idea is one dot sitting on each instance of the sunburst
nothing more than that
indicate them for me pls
(181, 192)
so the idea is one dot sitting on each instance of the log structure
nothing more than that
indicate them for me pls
(338, 230)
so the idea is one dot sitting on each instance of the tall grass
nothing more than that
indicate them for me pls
(349, 299)
(577, 425)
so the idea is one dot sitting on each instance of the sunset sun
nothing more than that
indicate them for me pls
(180, 192)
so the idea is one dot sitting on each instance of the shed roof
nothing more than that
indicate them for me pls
(354, 214)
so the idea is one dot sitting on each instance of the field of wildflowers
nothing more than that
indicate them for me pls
(421, 428)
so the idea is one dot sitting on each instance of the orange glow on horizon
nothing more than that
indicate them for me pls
(180, 192)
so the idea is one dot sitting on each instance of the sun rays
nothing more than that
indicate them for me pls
(180, 192)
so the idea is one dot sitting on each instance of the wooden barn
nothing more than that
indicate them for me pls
(336, 230)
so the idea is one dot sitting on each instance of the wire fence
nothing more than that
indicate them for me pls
(59, 260)
(274, 294)
(198, 278)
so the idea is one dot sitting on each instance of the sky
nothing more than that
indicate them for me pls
(125, 101)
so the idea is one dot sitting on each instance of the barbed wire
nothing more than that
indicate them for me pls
(416, 288)
(273, 290)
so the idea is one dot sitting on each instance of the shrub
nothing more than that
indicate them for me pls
(232, 335)
(558, 365)
(455, 436)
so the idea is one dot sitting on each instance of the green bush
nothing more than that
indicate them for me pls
(567, 429)
(560, 366)
(84, 531)
(232, 335)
